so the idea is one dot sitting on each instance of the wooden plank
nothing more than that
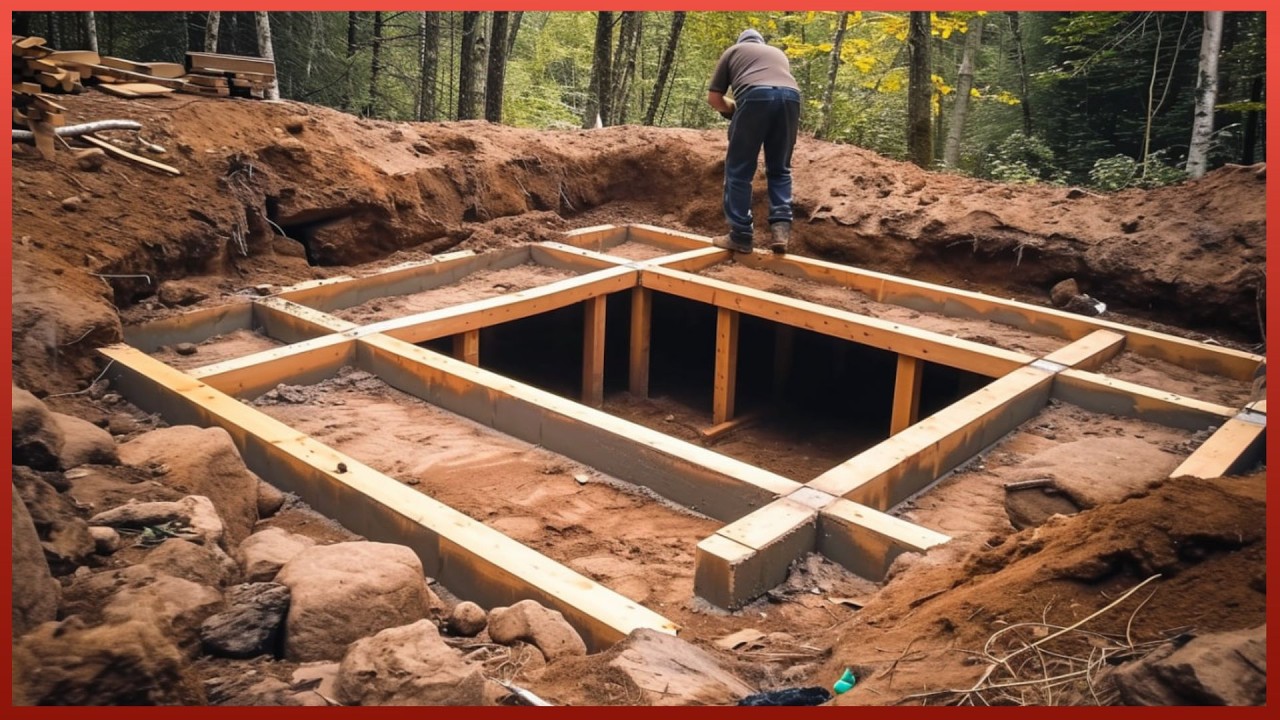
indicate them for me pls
(290, 322)
(1099, 393)
(301, 363)
(777, 535)
(206, 80)
(163, 69)
(908, 462)
(573, 259)
(695, 477)
(194, 327)
(145, 162)
(726, 376)
(691, 260)
(466, 347)
(906, 394)
(1089, 352)
(504, 308)
(923, 344)
(229, 63)
(133, 90)
(866, 541)
(641, 339)
(593, 351)
(665, 238)
(123, 74)
(597, 237)
(26, 43)
(715, 432)
(1235, 447)
(83, 57)
(123, 64)
(928, 297)
(473, 561)
(28, 88)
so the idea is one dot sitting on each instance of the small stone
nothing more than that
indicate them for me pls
(295, 125)
(1062, 293)
(105, 540)
(72, 203)
(264, 289)
(185, 349)
(581, 478)
(91, 160)
(121, 424)
(467, 619)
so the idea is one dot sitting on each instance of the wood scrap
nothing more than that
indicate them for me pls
(176, 84)
(125, 154)
(82, 57)
(163, 69)
(134, 90)
(196, 61)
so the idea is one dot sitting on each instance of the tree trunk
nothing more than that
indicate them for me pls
(1206, 95)
(516, 17)
(1251, 124)
(265, 49)
(430, 65)
(91, 30)
(375, 66)
(211, 25)
(964, 83)
(664, 67)
(467, 80)
(1024, 94)
(825, 129)
(598, 92)
(919, 92)
(497, 71)
(624, 64)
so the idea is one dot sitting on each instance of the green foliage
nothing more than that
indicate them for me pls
(1024, 159)
(1121, 171)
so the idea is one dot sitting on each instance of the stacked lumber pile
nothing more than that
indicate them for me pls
(237, 75)
(32, 66)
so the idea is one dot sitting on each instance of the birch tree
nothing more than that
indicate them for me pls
(265, 49)
(91, 30)
(964, 84)
(211, 31)
(1206, 95)
(664, 67)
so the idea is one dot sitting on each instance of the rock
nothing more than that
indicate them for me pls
(671, 671)
(251, 689)
(467, 619)
(202, 462)
(263, 289)
(37, 439)
(84, 443)
(1031, 507)
(64, 536)
(35, 592)
(320, 678)
(1062, 293)
(288, 247)
(270, 500)
(132, 663)
(72, 203)
(1228, 668)
(202, 564)
(1084, 305)
(122, 424)
(409, 665)
(105, 540)
(347, 591)
(88, 594)
(175, 606)
(262, 554)
(193, 515)
(186, 349)
(541, 627)
(91, 160)
(178, 292)
(296, 124)
(251, 624)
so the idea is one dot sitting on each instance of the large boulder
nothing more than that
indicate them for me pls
(201, 564)
(175, 606)
(35, 592)
(346, 591)
(37, 439)
(88, 594)
(251, 624)
(201, 462)
(263, 553)
(64, 535)
(1227, 668)
(193, 517)
(84, 443)
(132, 663)
(545, 629)
(409, 665)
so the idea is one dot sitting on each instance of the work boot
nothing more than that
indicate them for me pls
(736, 242)
(781, 232)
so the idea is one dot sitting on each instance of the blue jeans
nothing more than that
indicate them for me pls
(768, 117)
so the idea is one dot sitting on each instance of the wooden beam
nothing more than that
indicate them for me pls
(473, 561)
(573, 259)
(593, 351)
(1099, 393)
(928, 297)
(126, 155)
(691, 260)
(641, 337)
(908, 462)
(759, 553)
(784, 339)
(504, 308)
(290, 322)
(229, 63)
(301, 363)
(1235, 447)
(866, 541)
(1089, 352)
(194, 327)
(666, 238)
(906, 394)
(726, 377)
(715, 432)
(466, 347)
(933, 347)
(597, 237)
(695, 477)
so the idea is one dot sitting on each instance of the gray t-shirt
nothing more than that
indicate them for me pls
(752, 64)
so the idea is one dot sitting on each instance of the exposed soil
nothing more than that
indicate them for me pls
(277, 193)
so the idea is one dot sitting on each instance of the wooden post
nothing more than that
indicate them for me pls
(783, 347)
(726, 365)
(641, 326)
(906, 394)
(593, 352)
(466, 347)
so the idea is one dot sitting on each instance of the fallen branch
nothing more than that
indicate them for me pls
(84, 129)
(125, 154)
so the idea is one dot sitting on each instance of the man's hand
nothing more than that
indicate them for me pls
(733, 107)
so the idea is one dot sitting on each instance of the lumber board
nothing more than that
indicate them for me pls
(640, 341)
(466, 347)
(118, 152)
(206, 80)
(666, 238)
(774, 536)
(1089, 352)
(926, 345)
(1230, 450)
(302, 363)
(695, 477)
(866, 541)
(906, 394)
(194, 327)
(593, 335)
(28, 88)
(726, 370)
(715, 432)
(122, 74)
(27, 43)
(572, 259)
(133, 90)
(691, 260)
(291, 322)
(1099, 393)
(229, 63)
(928, 297)
(163, 69)
(83, 57)
(597, 237)
(908, 462)
(472, 560)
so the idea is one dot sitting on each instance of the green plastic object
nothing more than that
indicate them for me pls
(845, 683)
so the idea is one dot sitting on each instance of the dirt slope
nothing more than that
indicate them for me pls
(354, 191)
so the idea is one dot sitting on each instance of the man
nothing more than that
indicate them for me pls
(764, 111)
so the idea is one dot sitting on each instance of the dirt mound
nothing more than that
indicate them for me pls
(273, 193)
(1205, 540)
